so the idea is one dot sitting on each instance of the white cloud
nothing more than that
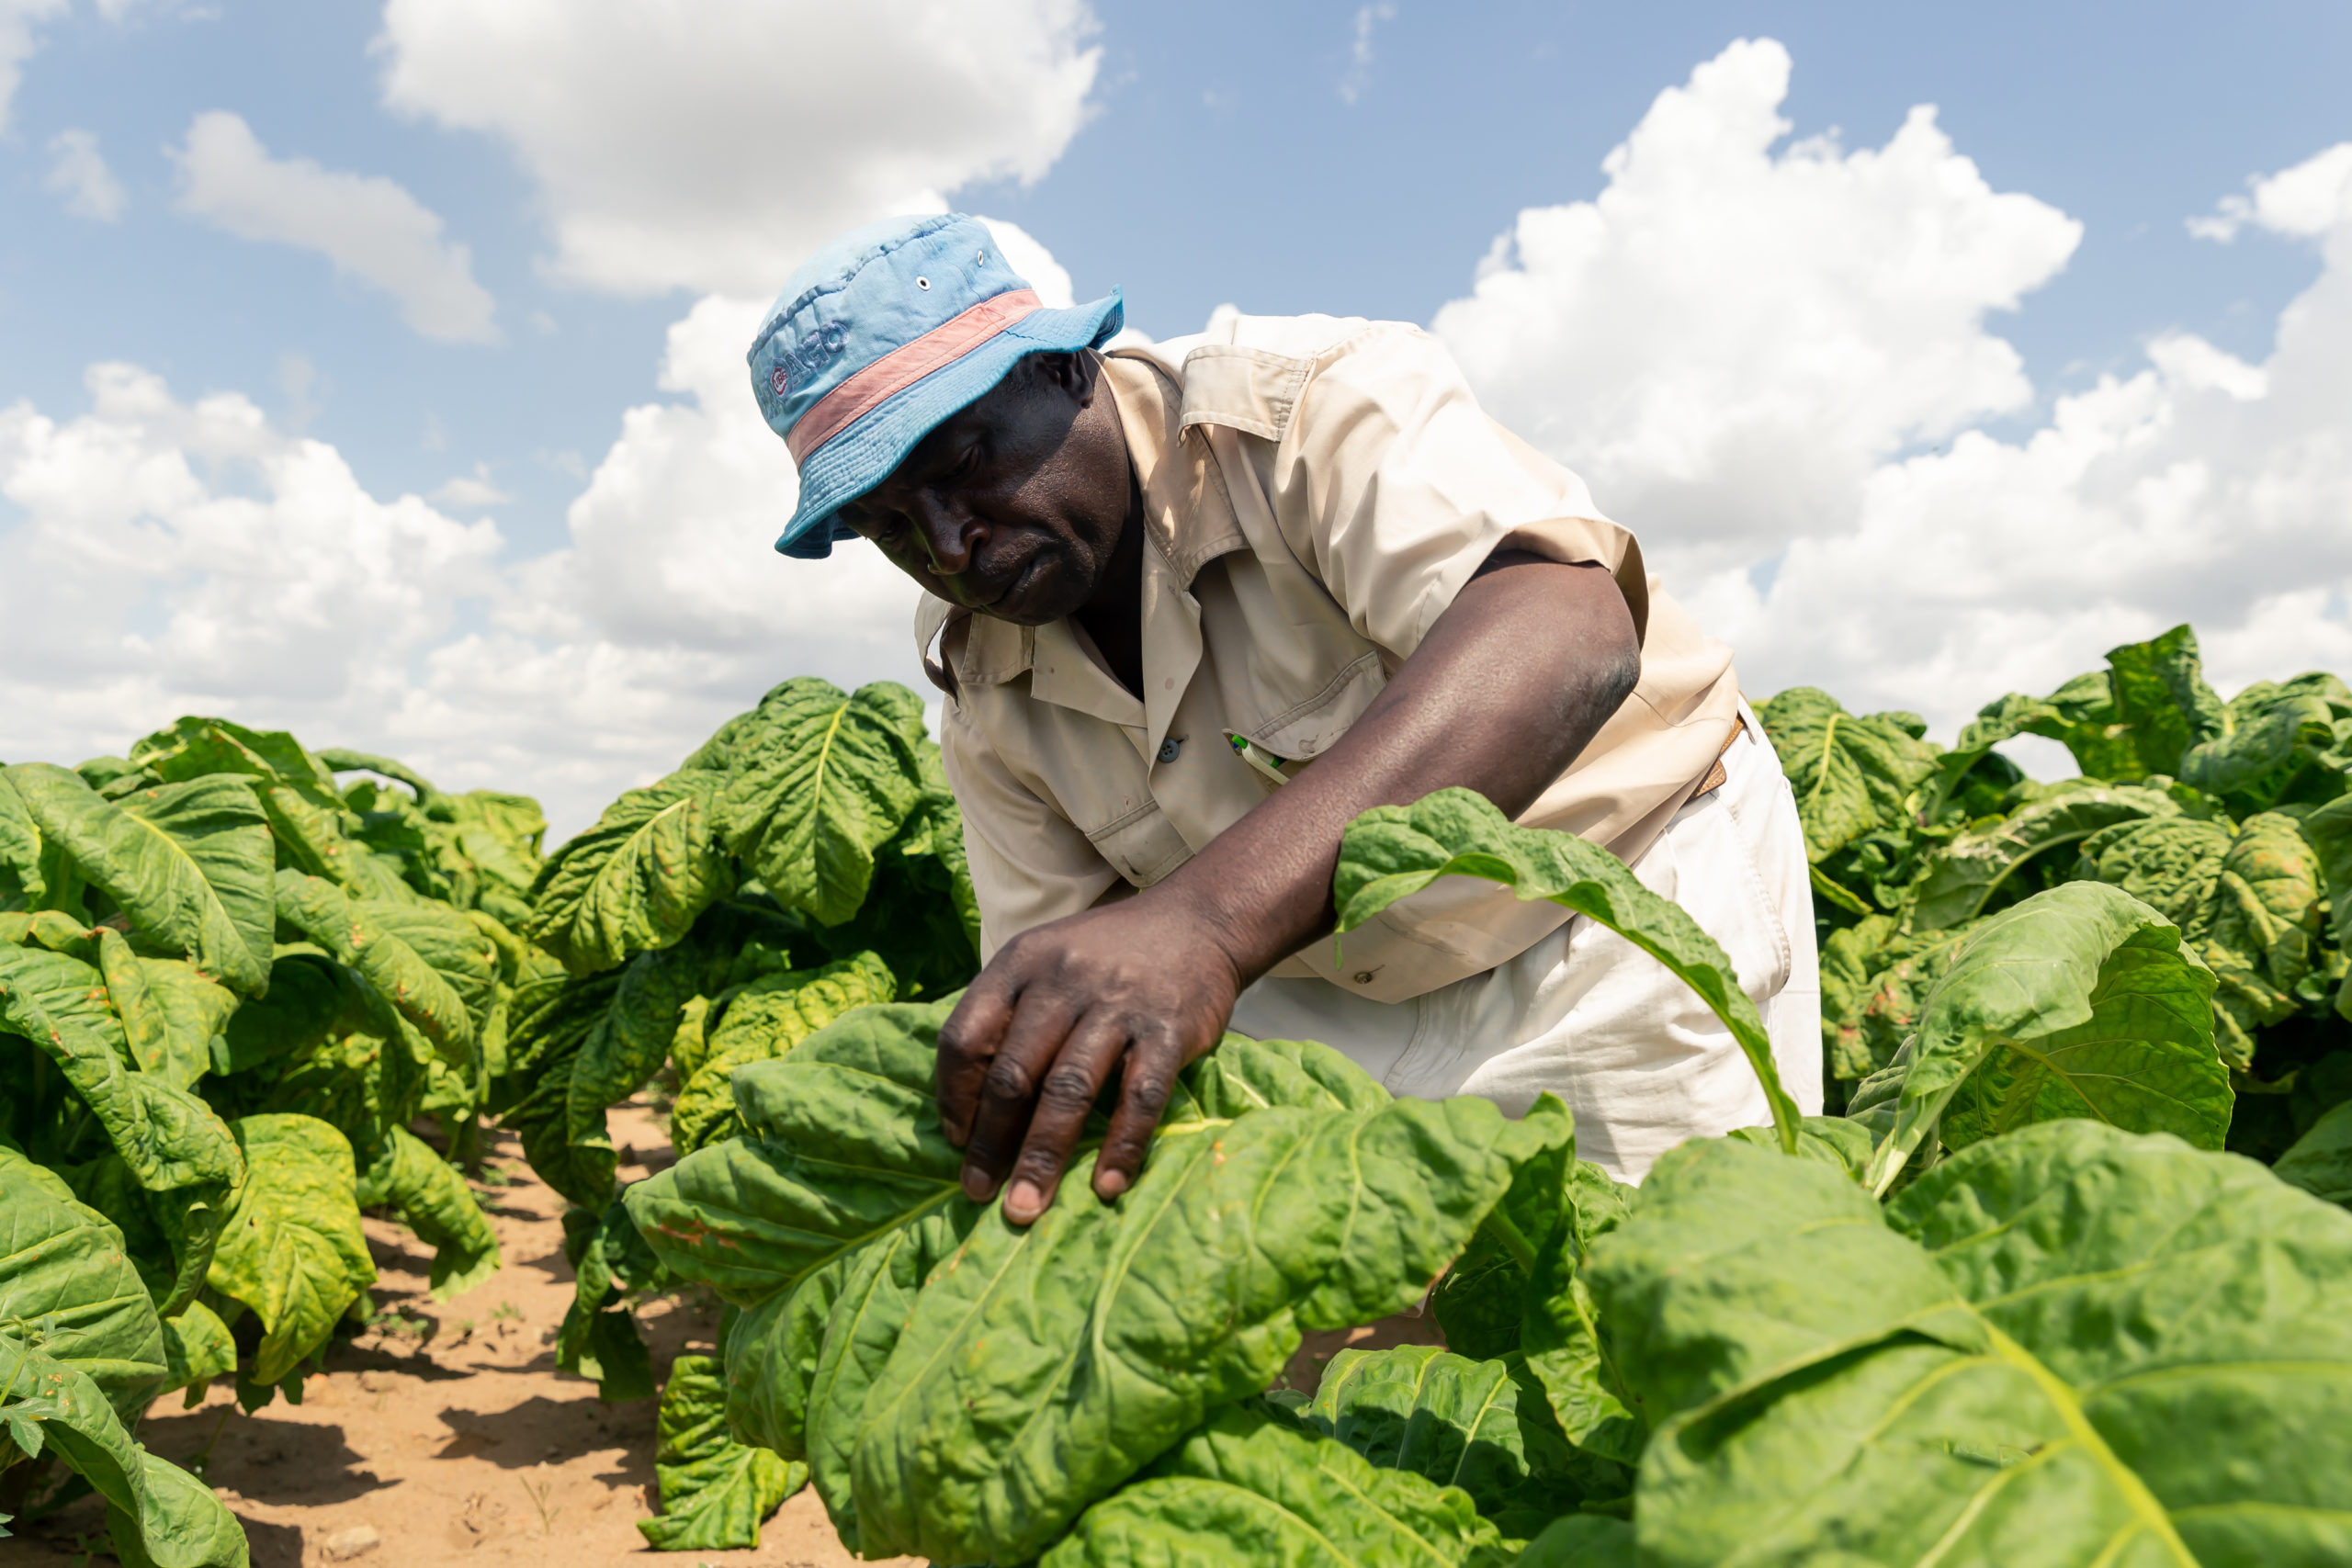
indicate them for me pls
(472, 493)
(19, 36)
(370, 227)
(1047, 277)
(2201, 488)
(2306, 201)
(1359, 76)
(710, 147)
(1743, 351)
(78, 171)
(179, 558)
(1728, 338)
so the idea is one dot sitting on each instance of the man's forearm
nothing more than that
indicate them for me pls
(1506, 691)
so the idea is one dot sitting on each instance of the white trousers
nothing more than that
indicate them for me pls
(1590, 1017)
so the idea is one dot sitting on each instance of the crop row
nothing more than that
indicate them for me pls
(2012, 1304)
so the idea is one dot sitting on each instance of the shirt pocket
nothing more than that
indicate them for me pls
(1303, 718)
(1141, 845)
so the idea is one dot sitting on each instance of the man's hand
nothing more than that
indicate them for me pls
(1139, 987)
(1506, 688)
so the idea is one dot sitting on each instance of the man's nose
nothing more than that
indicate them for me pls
(951, 534)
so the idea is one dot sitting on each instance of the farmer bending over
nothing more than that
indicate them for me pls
(1162, 579)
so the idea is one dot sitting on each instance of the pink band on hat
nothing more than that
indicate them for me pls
(902, 367)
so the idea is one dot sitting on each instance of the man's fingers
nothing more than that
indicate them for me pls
(1152, 1063)
(968, 1043)
(1008, 1088)
(1065, 1100)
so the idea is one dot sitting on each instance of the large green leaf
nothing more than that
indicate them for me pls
(637, 879)
(190, 864)
(1852, 774)
(23, 882)
(437, 1205)
(2160, 693)
(193, 748)
(1417, 1407)
(715, 1491)
(629, 1043)
(310, 997)
(2080, 1001)
(64, 1278)
(554, 1015)
(1873, 982)
(821, 780)
(1392, 851)
(453, 943)
(2273, 736)
(360, 936)
(2260, 929)
(158, 1515)
(970, 1408)
(765, 1019)
(197, 1348)
(1560, 1326)
(1582, 1540)
(171, 1014)
(2169, 864)
(293, 1250)
(598, 1340)
(170, 1140)
(2080, 715)
(1250, 1487)
(2067, 1346)
(1965, 874)
(2329, 832)
(2321, 1160)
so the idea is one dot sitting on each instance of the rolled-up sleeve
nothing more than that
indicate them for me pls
(1029, 863)
(1393, 485)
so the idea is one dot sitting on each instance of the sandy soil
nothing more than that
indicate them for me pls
(448, 1432)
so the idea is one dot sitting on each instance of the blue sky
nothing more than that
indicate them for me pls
(1348, 158)
(1221, 163)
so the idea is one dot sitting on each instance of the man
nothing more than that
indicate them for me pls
(1164, 579)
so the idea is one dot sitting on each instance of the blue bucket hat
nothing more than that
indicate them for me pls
(880, 337)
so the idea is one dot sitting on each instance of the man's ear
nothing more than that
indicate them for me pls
(1075, 376)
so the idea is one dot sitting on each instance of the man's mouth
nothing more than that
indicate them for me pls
(1021, 578)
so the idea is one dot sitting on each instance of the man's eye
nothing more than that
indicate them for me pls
(967, 462)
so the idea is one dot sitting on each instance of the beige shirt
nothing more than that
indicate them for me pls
(1316, 492)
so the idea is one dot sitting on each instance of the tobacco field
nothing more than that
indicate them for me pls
(2065, 1279)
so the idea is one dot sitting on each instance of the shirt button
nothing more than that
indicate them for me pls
(1168, 748)
(1364, 977)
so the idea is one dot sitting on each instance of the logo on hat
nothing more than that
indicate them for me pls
(778, 382)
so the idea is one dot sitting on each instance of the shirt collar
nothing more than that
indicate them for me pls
(1188, 520)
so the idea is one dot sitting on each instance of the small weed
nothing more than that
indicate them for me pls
(538, 1496)
(403, 1322)
(507, 1312)
(202, 1464)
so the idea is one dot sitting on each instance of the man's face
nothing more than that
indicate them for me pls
(1013, 506)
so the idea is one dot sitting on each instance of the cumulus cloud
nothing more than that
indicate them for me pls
(20, 22)
(78, 171)
(1744, 350)
(1730, 336)
(710, 147)
(2306, 201)
(370, 227)
(193, 558)
(177, 556)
